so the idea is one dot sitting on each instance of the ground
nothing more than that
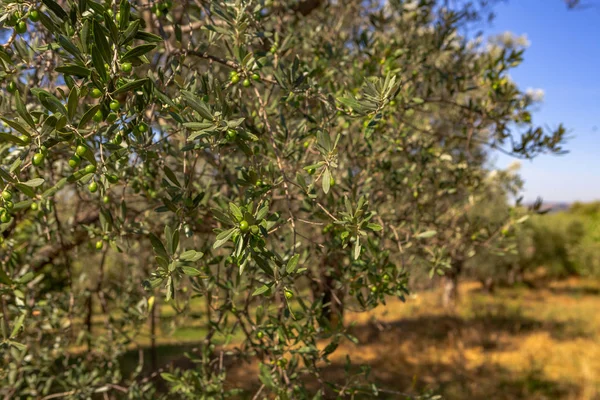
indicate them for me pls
(519, 343)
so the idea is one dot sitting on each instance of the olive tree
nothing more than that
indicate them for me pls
(257, 166)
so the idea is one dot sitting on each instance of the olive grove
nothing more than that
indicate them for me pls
(256, 166)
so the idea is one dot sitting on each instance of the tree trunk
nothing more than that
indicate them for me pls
(332, 298)
(88, 320)
(488, 285)
(450, 285)
(333, 306)
(153, 356)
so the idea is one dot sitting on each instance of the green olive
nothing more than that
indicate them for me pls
(260, 334)
(74, 161)
(288, 294)
(21, 27)
(126, 67)
(34, 206)
(81, 150)
(99, 245)
(244, 226)
(235, 79)
(4, 218)
(98, 117)
(256, 77)
(7, 195)
(114, 105)
(142, 128)
(96, 93)
(11, 87)
(246, 83)
(38, 159)
(93, 187)
(90, 169)
(106, 199)
(111, 178)
(231, 134)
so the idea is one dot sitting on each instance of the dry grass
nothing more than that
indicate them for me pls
(515, 344)
(519, 343)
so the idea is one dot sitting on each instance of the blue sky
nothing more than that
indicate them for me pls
(563, 59)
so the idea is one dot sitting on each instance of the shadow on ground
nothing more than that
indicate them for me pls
(426, 352)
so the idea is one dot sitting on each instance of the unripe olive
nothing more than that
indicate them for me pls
(142, 128)
(96, 93)
(231, 134)
(126, 67)
(4, 218)
(114, 105)
(235, 78)
(244, 226)
(98, 117)
(7, 195)
(11, 87)
(99, 245)
(106, 199)
(246, 83)
(34, 206)
(254, 229)
(21, 27)
(74, 161)
(9, 204)
(311, 171)
(90, 169)
(93, 187)
(38, 159)
(260, 334)
(112, 178)
(256, 77)
(288, 294)
(80, 150)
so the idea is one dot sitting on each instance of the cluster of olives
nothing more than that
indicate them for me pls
(7, 201)
(234, 78)
(19, 22)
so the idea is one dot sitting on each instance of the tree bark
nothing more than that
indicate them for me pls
(450, 285)
(332, 298)
(333, 306)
